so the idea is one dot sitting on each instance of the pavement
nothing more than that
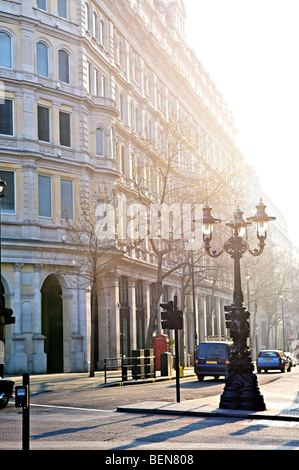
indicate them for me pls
(281, 396)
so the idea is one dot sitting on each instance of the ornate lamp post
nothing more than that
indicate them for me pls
(241, 390)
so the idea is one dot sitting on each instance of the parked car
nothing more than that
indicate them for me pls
(6, 389)
(291, 358)
(212, 357)
(273, 360)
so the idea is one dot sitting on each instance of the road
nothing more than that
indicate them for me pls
(87, 420)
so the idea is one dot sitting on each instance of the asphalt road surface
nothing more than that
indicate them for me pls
(86, 420)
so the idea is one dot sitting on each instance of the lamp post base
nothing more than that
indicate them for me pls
(241, 391)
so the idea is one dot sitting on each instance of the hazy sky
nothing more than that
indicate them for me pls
(250, 48)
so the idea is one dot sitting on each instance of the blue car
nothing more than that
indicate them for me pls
(212, 358)
(273, 360)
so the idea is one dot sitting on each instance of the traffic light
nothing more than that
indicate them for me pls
(228, 315)
(167, 317)
(8, 316)
(178, 314)
(171, 318)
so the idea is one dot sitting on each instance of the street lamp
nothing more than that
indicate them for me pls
(241, 390)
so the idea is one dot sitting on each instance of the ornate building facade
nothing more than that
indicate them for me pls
(87, 89)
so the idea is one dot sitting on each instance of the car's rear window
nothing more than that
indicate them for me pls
(268, 354)
(212, 350)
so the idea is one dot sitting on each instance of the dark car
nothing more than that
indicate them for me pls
(272, 359)
(212, 357)
(6, 389)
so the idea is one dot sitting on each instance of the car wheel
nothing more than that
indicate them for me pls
(3, 401)
(259, 371)
(282, 370)
(200, 377)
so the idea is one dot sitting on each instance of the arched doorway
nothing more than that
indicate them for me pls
(52, 323)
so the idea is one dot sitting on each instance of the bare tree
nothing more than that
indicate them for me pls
(172, 178)
(95, 253)
(270, 277)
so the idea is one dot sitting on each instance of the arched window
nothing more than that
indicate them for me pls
(99, 141)
(87, 17)
(63, 66)
(5, 50)
(102, 33)
(95, 24)
(42, 59)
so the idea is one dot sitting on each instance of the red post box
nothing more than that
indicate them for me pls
(160, 346)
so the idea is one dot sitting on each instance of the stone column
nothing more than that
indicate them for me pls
(113, 324)
(17, 298)
(39, 357)
(18, 363)
(146, 304)
(132, 304)
(218, 317)
(67, 331)
(77, 339)
(203, 320)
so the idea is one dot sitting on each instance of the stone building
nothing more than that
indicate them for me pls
(87, 88)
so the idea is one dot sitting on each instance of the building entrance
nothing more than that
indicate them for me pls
(52, 324)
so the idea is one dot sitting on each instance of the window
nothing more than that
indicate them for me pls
(102, 33)
(5, 50)
(42, 4)
(8, 201)
(66, 190)
(122, 106)
(105, 220)
(99, 141)
(103, 85)
(88, 77)
(65, 129)
(63, 66)
(6, 117)
(43, 124)
(62, 8)
(44, 196)
(122, 159)
(94, 24)
(101, 214)
(87, 17)
(96, 82)
(42, 59)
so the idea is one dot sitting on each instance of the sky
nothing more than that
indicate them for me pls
(250, 49)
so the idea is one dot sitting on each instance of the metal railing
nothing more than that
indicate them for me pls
(129, 368)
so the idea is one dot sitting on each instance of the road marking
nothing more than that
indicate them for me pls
(72, 408)
(271, 422)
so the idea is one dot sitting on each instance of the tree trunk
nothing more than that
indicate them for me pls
(156, 306)
(92, 330)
